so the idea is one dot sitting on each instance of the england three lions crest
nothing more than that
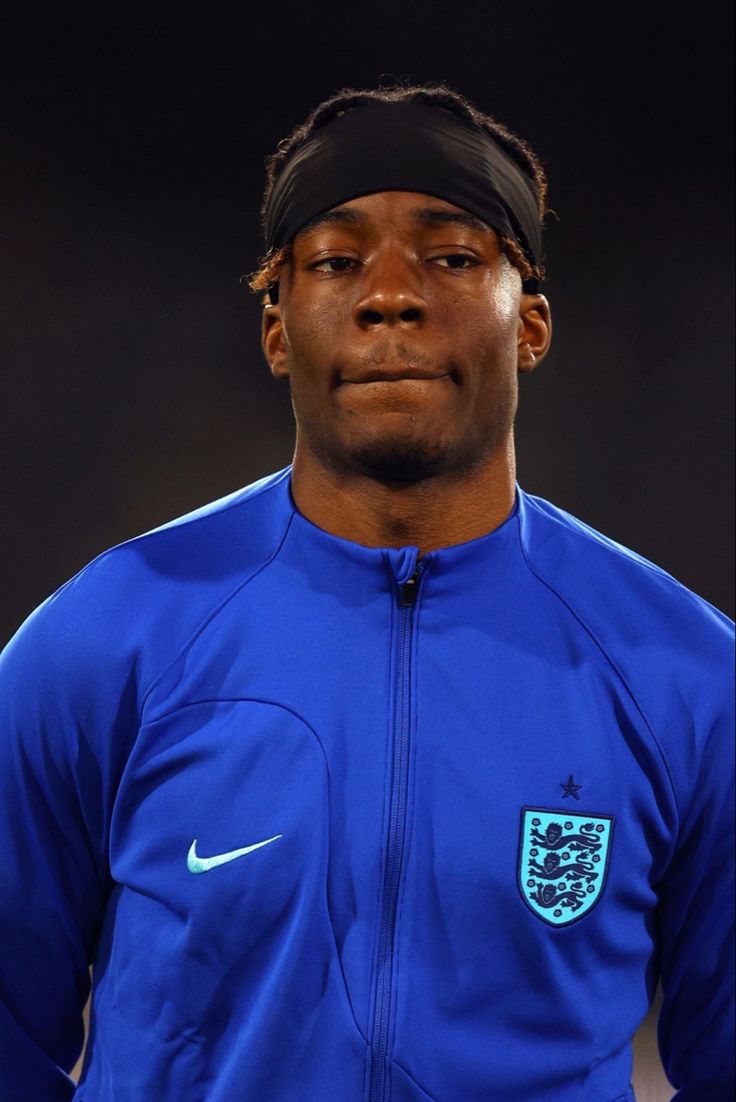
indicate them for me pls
(563, 862)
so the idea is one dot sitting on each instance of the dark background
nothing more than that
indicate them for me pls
(131, 171)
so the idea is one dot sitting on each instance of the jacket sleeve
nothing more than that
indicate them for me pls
(61, 700)
(696, 919)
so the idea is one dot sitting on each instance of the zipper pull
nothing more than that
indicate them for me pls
(409, 589)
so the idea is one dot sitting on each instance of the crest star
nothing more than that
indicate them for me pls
(570, 789)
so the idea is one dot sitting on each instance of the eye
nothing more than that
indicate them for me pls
(456, 261)
(337, 264)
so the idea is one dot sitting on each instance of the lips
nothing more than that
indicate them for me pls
(390, 375)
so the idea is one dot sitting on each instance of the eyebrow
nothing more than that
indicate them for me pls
(424, 216)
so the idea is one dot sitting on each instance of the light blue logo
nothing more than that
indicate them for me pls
(563, 862)
(195, 863)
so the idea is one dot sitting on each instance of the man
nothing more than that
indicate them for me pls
(379, 779)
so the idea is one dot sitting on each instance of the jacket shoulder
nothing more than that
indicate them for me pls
(628, 596)
(672, 650)
(133, 606)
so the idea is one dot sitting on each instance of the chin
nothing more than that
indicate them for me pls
(401, 462)
(402, 459)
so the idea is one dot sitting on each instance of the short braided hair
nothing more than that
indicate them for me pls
(437, 95)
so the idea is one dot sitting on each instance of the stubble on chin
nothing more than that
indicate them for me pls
(402, 459)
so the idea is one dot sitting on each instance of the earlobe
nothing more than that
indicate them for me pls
(535, 331)
(526, 360)
(272, 341)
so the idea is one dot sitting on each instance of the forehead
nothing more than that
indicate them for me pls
(413, 207)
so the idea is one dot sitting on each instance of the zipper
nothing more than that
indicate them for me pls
(394, 850)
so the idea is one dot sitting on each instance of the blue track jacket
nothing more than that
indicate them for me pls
(338, 824)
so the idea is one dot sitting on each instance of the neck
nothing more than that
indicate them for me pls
(437, 512)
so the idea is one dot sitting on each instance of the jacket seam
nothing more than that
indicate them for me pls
(586, 532)
(240, 700)
(207, 620)
(589, 631)
(419, 1086)
(159, 529)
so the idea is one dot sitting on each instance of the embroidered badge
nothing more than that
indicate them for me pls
(563, 862)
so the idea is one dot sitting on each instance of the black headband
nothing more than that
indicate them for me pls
(405, 147)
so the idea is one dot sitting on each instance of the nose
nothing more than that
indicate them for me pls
(391, 294)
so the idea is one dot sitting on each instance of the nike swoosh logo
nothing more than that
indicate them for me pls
(204, 864)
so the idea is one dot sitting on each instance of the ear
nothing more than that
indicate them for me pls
(535, 331)
(273, 342)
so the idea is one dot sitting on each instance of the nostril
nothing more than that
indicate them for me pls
(377, 317)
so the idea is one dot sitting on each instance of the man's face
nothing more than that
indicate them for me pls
(401, 327)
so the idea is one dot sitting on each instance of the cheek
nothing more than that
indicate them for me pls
(487, 325)
(504, 296)
(309, 337)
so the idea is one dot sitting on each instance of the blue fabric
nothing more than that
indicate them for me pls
(241, 677)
